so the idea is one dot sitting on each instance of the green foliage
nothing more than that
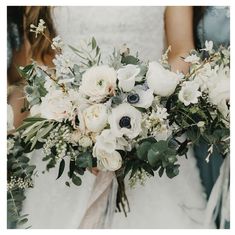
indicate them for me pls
(84, 160)
(129, 60)
(19, 177)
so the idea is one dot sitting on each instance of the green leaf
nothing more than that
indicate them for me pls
(128, 167)
(76, 180)
(161, 171)
(172, 171)
(61, 168)
(23, 159)
(23, 221)
(148, 169)
(30, 169)
(153, 157)
(34, 119)
(93, 43)
(142, 150)
(84, 160)
(129, 60)
(45, 131)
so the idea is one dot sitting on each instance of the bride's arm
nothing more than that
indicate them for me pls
(179, 35)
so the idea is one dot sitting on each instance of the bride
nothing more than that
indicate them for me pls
(162, 202)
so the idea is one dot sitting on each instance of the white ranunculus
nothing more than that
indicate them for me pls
(35, 110)
(162, 81)
(189, 93)
(127, 77)
(110, 161)
(95, 117)
(219, 91)
(140, 97)
(10, 118)
(56, 105)
(194, 59)
(98, 82)
(125, 120)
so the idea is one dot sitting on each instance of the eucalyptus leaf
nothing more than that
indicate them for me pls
(76, 180)
(142, 150)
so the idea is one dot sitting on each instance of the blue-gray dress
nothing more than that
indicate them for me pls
(215, 26)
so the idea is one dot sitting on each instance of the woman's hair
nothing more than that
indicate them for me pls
(198, 13)
(23, 17)
(40, 46)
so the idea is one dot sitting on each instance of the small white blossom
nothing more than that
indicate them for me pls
(63, 63)
(209, 46)
(201, 124)
(189, 93)
(194, 59)
(38, 29)
(57, 43)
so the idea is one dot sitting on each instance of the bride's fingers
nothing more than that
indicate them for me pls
(94, 171)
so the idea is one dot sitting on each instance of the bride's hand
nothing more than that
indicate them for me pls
(94, 170)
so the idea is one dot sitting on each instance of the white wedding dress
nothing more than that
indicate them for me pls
(162, 202)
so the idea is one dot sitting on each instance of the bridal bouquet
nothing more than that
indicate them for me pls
(125, 115)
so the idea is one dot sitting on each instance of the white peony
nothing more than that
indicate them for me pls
(110, 161)
(127, 77)
(140, 97)
(10, 118)
(162, 81)
(98, 83)
(125, 120)
(189, 93)
(56, 105)
(95, 117)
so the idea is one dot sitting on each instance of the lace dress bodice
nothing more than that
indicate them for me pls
(141, 28)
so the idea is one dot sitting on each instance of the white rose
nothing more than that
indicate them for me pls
(98, 83)
(106, 140)
(56, 105)
(140, 97)
(107, 161)
(194, 59)
(125, 120)
(189, 93)
(95, 117)
(10, 118)
(162, 81)
(127, 77)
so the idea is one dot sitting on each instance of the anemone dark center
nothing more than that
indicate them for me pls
(133, 98)
(125, 122)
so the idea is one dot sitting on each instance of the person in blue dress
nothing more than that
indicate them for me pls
(211, 23)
